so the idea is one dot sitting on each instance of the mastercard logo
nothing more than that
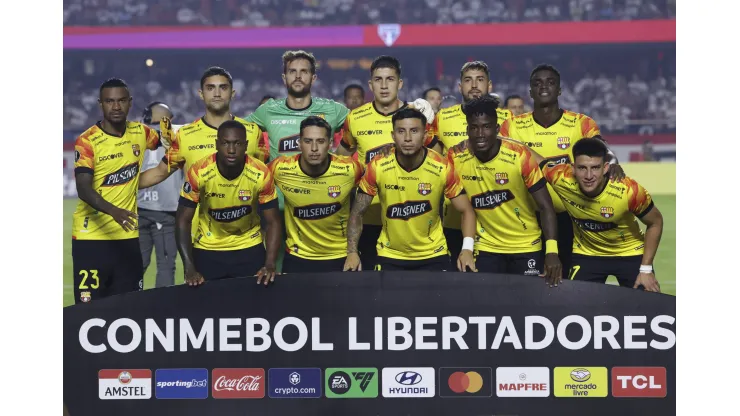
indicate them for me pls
(470, 382)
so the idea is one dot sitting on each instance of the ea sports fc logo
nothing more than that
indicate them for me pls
(502, 178)
(425, 188)
(563, 142)
(607, 212)
(245, 196)
(334, 191)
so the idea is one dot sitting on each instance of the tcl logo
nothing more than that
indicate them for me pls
(639, 382)
(238, 383)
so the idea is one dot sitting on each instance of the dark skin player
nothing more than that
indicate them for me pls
(482, 132)
(115, 103)
(231, 150)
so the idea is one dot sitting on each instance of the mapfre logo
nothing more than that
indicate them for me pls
(639, 382)
(238, 383)
(522, 382)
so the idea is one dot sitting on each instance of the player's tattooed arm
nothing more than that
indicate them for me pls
(184, 240)
(125, 218)
(354, 230)
(155, 175)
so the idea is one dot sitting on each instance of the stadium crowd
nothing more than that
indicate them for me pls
(263, 13)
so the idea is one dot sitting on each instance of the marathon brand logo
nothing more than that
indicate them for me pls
(563, 142)
(290, 189)
(408, 210)
(522, 382)
(394, 187)
(383, 121)
(370, 155)
(594, 226)
(124, 384)
(369, 132)
(639, 382)
(202, 146)
(108, 157)
(214, 195)
(289, 144)
(121, 143)
(492, 199)
(230, 214)
(316, 211)
(545, 133)
(293, 167)
(122, 176)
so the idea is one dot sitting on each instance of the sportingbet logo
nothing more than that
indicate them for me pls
(581, 382)
(316, 211)
(522, 382)
(181, 383)
(639, 382)
(351, 383)
(238, 383)
(408, 210)
(124, 384)
(408, 382)
(230, 214)
(121, 176)
(288, 144)
(492, 199)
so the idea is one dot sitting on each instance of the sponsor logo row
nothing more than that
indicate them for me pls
(391, 382)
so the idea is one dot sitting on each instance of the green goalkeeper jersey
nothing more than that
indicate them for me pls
(282, 123)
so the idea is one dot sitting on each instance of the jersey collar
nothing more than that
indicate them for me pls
(404, 105)
(331, 159)
(426, 153)
(310, 103)
(100, 126)
(203, 119)
(554, 123)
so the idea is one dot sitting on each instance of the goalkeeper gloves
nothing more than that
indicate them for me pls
(166, 134)
(423, 106)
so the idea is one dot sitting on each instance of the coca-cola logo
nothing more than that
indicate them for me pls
(238, 383)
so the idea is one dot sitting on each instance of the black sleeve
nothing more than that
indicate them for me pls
(537, 186)
(83, 169)
(269, 205)
(187, 203)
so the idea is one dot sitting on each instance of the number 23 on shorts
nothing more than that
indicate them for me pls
(92, 274)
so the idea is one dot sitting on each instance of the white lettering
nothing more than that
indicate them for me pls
(353, 344)
(151, 330)
(253, 334)
(481, 321)
(85, 341)
(448, 334)
(378, 334)
(224, 335)
(135, 340)
(600, 334)
(186, 333)
(394, 333)
(420, 333)
(316, 343)
(302, 334)
(630, 332)
(506, 327)
(669, 335)
(585, 326)
(529, 342)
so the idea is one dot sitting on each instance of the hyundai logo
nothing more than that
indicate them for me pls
(408, 378)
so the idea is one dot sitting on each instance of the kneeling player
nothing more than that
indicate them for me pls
(499, 178)
(410, 183)
(317, 188)
(230, 187)
(607, 238)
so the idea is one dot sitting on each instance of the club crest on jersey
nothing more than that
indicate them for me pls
(607, 212)
(425, 188)
(85, 297)
(323, 116)
(563, 142)
(335, 191)
(244, 196)
(137, 150)
(502, 178)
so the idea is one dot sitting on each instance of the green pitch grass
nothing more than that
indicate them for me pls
(665, 263)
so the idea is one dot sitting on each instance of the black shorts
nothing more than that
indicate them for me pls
(598, 268)
(106, 267)
(565, 238)
(368, 242)
(435, 264)
(295, 264)
(528, 264)
(454, 239)
(223, 264)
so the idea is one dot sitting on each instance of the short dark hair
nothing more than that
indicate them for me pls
(267, 97)
(317, 122)
(290, 56)
(512, 97)
(476, 65)
(113, 83)
(590, 147)
(485, 104)
(544, 67)
(214, 71)
(231, 125)
(428, 90)
(386, 61)
(353, 87)
(409, 113)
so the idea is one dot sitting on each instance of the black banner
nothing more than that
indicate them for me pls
(373, 343)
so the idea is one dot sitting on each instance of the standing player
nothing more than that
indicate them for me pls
(608, 240)
(499, 178)
(317, 188)
(367, 132)
(434, 97)
(106, 258)
(354, 96)
(451, 128)
(551, 131)
(233, 190)
(515, 104)
(410, 183)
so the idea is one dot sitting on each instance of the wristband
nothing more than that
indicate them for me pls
(551, 247)
(468, 243)
(646, 268)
